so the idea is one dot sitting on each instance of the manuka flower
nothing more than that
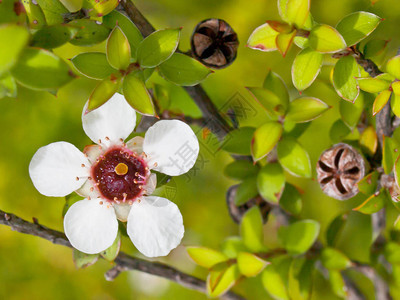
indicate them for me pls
(116, 180)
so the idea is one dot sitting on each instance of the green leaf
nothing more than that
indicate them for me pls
(54, 36)
(41, 69)
(265, 138)
(232, 246)
(103, 91)
(90, 32)
(369, 141)
(93, 65)
(53, 11)
(344, 78)
(298, 237)
(273, 283)
(183, 70)
(392, 252)
(305, 109)
(13, 39)
(373, 204)
(112, 252)
(291, 200)
(374, 48)
(270, 182)
(294, 129)
(305, 68)
(268, 100)
(294, 158)
(275, 84)
(72, 5)
(297, 12)
(369, 183)
(35, 14)
(393, 66)
(339, 131)
(357, 26)
(130, 30)
(161, 96)
(238, 141)
(206, 257)
(118, 50)
(241, 169)
(389, 153)
(251, 230)
(158, 47)
(334, 229)
(83, 260)
(373, 85)
(250, 265)
(301, 278)
(395, 99)
(333, 259)
(219, 282)
(351, 112)
(137, 95)
(326, 39)
(101, 8)
(337, 284)
(8, 86)
(284, 41)
(263, 38)
(246, 190)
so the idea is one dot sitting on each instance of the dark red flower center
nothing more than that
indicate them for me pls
(120, 174)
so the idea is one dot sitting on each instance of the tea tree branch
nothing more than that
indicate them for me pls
(123, 262)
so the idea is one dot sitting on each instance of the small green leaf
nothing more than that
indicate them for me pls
(373, 85)
(90, 32)
(158, 47)
(263, 38)
(13, 39)
(374, 48)
(351, 112)
(276, 85)
(344, 78)
(118, 50)
(137, 95)
(238, 141)
(161, 96)
(93, 65)
(395, 99)
(54, 36)
(250, 265)
(206, 257)
(297, 12)
(112, 252)
(305, 109)
(268, 100)
(389, 153)
(357, 26)
(8, 86)
(326, 39)
(183, 70)
(334, 229)
(393, 66)
(219, 282)
(241, 169)
(392, 252)
(333, 259)
(103, 91)
(369, 183)
(291, 199)
(35, 14)
(270, 182)
(294, 129)
(53, 11)
(246, 190)
(284, 41)
(41, 69)
(265, 138)
(373, 204)
(294, 158)
(83, 260)
(301, 278)
(130, 30)
(369, 141)
(298, 237)
(101, 8)
(305, 68)
(72, 5)
(339, 130)
(251, 230)
(274, 283)
(337, 284)
(232, 246)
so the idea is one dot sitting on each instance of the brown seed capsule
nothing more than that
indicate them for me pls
(214, 43)
(339, 169)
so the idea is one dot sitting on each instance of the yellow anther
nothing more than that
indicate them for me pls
(121, 169)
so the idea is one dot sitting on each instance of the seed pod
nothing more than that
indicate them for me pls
(339, 169)
(214, 43)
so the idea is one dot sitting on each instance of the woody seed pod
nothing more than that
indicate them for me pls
(339, 169)
(214, 43)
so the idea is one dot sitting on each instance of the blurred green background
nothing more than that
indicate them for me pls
(35, 269)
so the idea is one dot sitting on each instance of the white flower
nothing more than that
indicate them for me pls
(116, 181)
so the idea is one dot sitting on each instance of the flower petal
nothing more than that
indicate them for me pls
(91, 227)
(135, 144)
(122, 211)
(55, 167)
(115, 120)
(151, 184)
(172, 147)
(155, 226)
(88, 190)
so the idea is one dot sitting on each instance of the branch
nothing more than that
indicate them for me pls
(214, 120)
(123, 261)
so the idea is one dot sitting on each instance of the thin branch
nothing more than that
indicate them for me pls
(123, 261)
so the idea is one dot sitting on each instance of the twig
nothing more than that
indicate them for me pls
(123, 261)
